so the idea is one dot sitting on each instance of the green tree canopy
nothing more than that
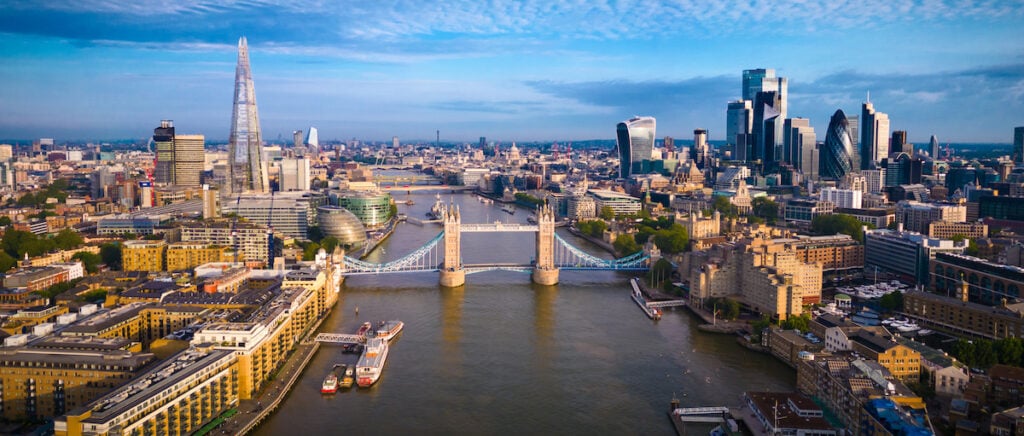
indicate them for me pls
(68, 239)
(839, 223)
(606, 213)
(626, 245)
(724, 206)
(674, 239)
(5, 220)
(765, 208)
(593, 228)
(7, 262)
(111, 255)
(91, 261)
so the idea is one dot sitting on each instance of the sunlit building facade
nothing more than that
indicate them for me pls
(247, 173)
(635, 141)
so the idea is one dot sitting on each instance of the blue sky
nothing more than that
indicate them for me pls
(509, 70)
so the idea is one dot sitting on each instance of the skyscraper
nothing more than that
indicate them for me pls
(837, 153)
(764, 80)
(246, 171)
(874, 136)
(635, 141)
(313, 141)
(739, 119)
(700, 152)
(899, 143)
(933, 147)
(163, 140)
(1018, 144)
(766, 112)
(189, 159)
(798, 146)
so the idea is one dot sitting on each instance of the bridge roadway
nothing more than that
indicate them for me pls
(498, 226)
(483, 267)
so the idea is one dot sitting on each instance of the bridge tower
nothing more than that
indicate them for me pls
(452, 274)
(544, 271)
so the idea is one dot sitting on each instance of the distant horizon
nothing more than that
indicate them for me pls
(560, 142)
(515, 70)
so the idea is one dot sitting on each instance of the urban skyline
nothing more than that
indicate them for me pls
(518, 71)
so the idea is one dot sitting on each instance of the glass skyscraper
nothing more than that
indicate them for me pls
(836, 155)
(739, 121)
(635, 141)
(874, 136)
(246, 171)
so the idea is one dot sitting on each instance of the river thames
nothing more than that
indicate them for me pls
(503, 356)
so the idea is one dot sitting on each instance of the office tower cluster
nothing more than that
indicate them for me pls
(761, 134)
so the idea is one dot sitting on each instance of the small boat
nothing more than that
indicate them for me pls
(510, 209)
(389, 329)
(364, 328)
(924, 332)
(330, 385)
(349, 376)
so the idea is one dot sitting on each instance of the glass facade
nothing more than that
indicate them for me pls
(342, 224)
(247, 172)
(635, 141)
(836, 155)
(373, 209)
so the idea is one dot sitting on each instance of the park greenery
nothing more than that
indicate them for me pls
(724, 308)
(839, 223)
(58, 190)
(670, 237)
(765, 209)
(983, 353)
(725, 207)
(15, 244)
(606, 213)
(892, 301)
(592, 228)
(625, 245)
(524, 198)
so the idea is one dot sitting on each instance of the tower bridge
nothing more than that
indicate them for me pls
(553, 254)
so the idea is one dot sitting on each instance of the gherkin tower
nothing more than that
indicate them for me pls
(836, 159)
(246, 172)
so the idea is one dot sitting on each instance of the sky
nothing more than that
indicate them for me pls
(530, 70)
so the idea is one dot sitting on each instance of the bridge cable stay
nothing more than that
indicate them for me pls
(421, 259)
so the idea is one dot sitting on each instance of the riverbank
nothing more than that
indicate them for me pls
(373, 243)
(598, 242)
(254, 411)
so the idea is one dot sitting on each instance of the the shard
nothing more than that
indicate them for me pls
(246, 172)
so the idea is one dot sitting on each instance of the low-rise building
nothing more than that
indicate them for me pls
(949, 229)
(143, 255)
(959, 316)
(835, 254)
(902, 362)
(916, 216)
(879, 217)
(620, 203)
(183, 256)
(47, 381)
(805, 210)
(904, 254)
(987, 282)
(788, 413)
(178, 396)
(36, 279)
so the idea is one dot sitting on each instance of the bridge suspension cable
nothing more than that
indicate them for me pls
(425, 258)
(569, 257)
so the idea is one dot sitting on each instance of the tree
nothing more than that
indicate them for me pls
(607, 213)
(593, 228)
(328, 243)
(662, 271)
(892, 301)
(839, 223)
(5, 220)
(724, 206)
(730, 308)
(309, 251)
(7, 262)
(802, 323)
(626, 245)
(392, 210)
(111, 255)
(672, 240)
(68, 239)
(91, 261)
(765, 208)
(314, 233)
(972, 248)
